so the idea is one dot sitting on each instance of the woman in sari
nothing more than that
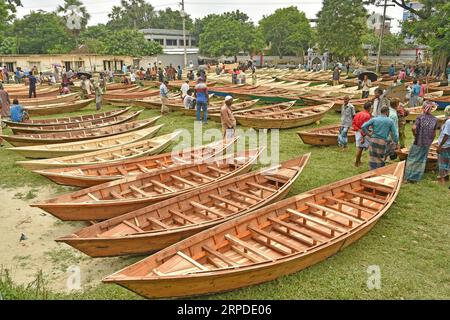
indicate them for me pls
(424, 131)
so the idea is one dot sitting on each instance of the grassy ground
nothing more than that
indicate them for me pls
(410, 244)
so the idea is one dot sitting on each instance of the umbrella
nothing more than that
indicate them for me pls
(87, 74)
(371, 75)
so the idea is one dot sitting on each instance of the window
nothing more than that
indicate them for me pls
(67, 65)
(79, 64)
(193, 43)
(9, 66)
(182, 42)
(108, 65)
(160, 41)
(171, 42)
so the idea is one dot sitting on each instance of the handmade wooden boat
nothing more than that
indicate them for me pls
(131, 95)
(268, 243)
(432, 159)
(116, 154)
(442, 102)
(66, 107)
(357, 103)
(69, 120)
(214, 115)
(260, 111)
(324, 136)
(433, 87)
(117, 197)
(285, 119)
(49, 100)
(100, 123)
(73, 148)
(214, 108)
(40, 93)
(22, 140)
(88, 176)
(415, 112)
(160, 225)
(433, 95)
(441, 120)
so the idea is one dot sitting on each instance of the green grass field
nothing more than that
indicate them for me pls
(410, 244)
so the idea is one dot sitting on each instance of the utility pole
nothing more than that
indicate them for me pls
(382, 33)
(183, 15)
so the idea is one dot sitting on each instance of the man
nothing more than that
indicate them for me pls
(377, 102)
(366, 84)
(98, 96)
(227, 119)
(382, 128)
(189, 100)
(424, 131)
(393, 108)
(164, 95)
(347, 66)
(5, 103)
(414, 94)
(392, 70)
(359, 120)
(160, 75)
(184, 89)
(443, 149)
(179, 73)
(201, 94)
(32, 85)
(347, 115)
(18, 76)
(17, 112)
(402, 113)
(423, 91)
(336, 75)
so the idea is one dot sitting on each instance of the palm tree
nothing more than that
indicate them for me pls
(70, 11)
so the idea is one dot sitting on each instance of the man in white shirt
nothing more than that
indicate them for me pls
(377, 102)
(189, 100)
(184, 89)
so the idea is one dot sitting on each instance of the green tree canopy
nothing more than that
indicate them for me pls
(131, 43)
(41, 32)
(7, 14)
(170, 19)
(341, 25)
(287, 30)
(225, 35)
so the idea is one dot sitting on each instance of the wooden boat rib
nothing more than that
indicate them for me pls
(100, 123)
(324, 136)
(108, 155)
(415, 112)
(432, 159)
(73, 148)
(215, 108)
(69, 120)
(78, 135)
(117, 197)
(44, 110)
(49, 100)
(160, 225)
(271, 242)
(285, 119)
(91, 175)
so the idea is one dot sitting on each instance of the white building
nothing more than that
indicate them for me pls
(171, 40)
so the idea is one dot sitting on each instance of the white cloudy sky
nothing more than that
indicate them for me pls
(255, 9)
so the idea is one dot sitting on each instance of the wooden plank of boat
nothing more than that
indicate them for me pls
(49, 100)
(132, 95)
(79, 135)
(68, 120)
(274, 241)
(284, 106)
(39, 93)
(100, 123)
(139, 191)
(324, 136)
(180, 217)
(88, 176)
(432, 159)
(104, 156)
(416, 111)
(44, 110)
(73, 148)
(285, 119)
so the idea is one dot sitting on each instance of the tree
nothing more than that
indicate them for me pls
(131, 14)
(341, 25)
(287, 31)
(41, 32)
(170, 19)
(392, 43)
(224, 35)
(7, 14)
(135, 44)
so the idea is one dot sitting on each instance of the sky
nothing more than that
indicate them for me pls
(255, 9)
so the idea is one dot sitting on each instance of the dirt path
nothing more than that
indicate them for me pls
(58, 262)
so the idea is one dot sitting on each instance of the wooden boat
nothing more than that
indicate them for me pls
(274, 241)
(73, 148)
(69, 120)
(433, 87)
(100, 123)
(40, 93)
(442, 102)
(357, 103)
(131, 95)
(259, 111)
(286, 119)
(415, 112)
(160, 225)
(117, 197)
(49, 100)
(324, 136)
(432, 160)
(246, 105)
(121, 153)
(441, 120)
(88, 176)
(175, 103)
(66, 107)
(433, 95)
(214, 108)
(22, 140)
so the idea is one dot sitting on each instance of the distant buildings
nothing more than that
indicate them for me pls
(375, 23)
(171, 40)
